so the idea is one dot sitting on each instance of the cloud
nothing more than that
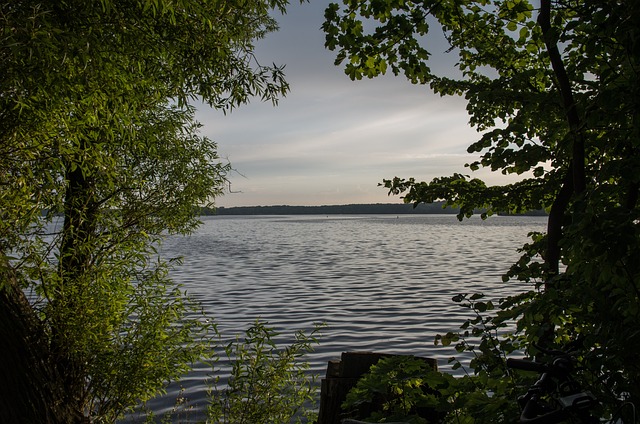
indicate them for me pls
(332, 140)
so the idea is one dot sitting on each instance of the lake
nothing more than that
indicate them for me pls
(380, 283)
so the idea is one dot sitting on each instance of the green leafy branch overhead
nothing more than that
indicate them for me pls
(553, 88)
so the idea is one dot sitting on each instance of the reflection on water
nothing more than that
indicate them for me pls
(381, 283)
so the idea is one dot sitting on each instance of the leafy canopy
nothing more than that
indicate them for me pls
(100, 157)
(553, 89)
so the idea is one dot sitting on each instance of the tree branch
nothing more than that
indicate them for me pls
(566, 92)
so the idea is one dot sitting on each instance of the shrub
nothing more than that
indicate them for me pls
(267, 384)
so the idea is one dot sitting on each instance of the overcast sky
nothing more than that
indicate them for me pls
(332, 140)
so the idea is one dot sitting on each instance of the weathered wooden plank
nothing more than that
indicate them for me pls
(333, 391)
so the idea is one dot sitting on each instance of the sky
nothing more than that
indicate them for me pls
(331, 140)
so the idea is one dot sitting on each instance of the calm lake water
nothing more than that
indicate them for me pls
(380, 283)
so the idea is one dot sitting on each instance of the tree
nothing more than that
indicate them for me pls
(553, 88)
(100, 156)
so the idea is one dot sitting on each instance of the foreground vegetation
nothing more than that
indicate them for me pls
(266, 382)
(96, 125)
(554, 89)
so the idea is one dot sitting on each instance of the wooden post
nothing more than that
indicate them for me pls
(341, 377)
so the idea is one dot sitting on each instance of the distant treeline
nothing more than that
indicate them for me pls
(359, 209)
(374, 209)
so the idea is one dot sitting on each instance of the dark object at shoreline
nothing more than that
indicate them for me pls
(342, 376)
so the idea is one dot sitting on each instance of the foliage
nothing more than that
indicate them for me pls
(406, 389)
(488, 393)
(397, 384)
(267, 384)
(554, 92)
(100, 158)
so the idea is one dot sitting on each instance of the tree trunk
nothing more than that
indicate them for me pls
(67, 303)
(575, 181)
(31, 389)
(555, 223)
(568, 101)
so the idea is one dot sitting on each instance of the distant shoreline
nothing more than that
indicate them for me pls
(352, 209)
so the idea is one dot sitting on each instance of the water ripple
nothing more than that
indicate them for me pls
(380, 283)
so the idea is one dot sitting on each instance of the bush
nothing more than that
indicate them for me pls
(267, 384)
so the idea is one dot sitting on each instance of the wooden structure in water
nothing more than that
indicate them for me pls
(341, 377)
